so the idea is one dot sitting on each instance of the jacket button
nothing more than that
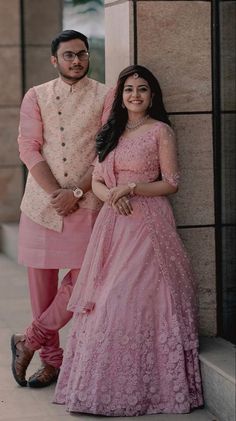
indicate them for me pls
(61, 128)
(57, 97)
(64, 159)
(59, 112)
(63, 144)
(65, 174)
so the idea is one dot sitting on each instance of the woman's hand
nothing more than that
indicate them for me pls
(123, 206)
(117, 192)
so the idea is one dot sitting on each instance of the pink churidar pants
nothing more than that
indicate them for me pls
(49, 307)
(46, 250)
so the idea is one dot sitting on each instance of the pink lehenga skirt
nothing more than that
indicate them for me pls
(136, 351)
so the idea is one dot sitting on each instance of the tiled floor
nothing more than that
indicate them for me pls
(25, 404)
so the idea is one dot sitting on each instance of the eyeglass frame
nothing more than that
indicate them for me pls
(82, 52)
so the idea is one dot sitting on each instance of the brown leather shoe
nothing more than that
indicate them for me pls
(21, 357)
(45, 376)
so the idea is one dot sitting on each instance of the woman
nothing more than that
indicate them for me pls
(133, 346)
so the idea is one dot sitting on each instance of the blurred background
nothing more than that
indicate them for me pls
(87, 16)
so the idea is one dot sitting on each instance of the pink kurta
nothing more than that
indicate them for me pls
(45, 239)
(135, 350)
(42, 248)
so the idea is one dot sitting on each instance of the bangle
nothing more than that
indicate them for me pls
(132, 186)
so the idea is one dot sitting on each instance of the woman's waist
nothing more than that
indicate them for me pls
(157, 205)
(129, 177)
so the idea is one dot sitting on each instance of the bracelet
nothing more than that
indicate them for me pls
(132, 186)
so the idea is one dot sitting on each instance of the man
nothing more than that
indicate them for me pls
(58, 123)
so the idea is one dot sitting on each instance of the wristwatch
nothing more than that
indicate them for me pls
(78, 193)
(132, 187)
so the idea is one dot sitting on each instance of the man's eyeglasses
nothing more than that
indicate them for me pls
(70, 55)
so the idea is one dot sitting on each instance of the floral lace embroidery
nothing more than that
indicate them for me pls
(149, 372)
(171, 179)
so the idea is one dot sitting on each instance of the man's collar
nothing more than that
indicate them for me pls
(66, 87)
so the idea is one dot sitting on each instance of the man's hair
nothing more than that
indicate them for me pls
(67, 35)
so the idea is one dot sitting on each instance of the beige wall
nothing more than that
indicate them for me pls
(173, 39)
(10, 88)
(42, 20)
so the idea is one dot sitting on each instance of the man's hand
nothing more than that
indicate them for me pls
(64, 201)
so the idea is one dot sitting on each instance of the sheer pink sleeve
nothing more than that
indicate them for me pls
(98, 171)
(30, 137)
(168, 156)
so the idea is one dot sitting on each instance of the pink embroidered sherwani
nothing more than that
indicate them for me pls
(58, 123)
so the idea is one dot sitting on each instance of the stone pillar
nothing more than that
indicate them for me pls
(42, 21)
(119, 45)
(11, 181)
(26, 30)
(173, 39)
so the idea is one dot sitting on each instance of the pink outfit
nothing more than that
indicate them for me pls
(58, 123)
(49, 311)
(42, 248)
(134, 350)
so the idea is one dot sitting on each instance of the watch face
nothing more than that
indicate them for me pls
(78, 193)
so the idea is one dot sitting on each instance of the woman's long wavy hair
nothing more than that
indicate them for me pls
(108, 137)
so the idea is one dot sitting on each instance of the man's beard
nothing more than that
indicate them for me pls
(72, 78)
